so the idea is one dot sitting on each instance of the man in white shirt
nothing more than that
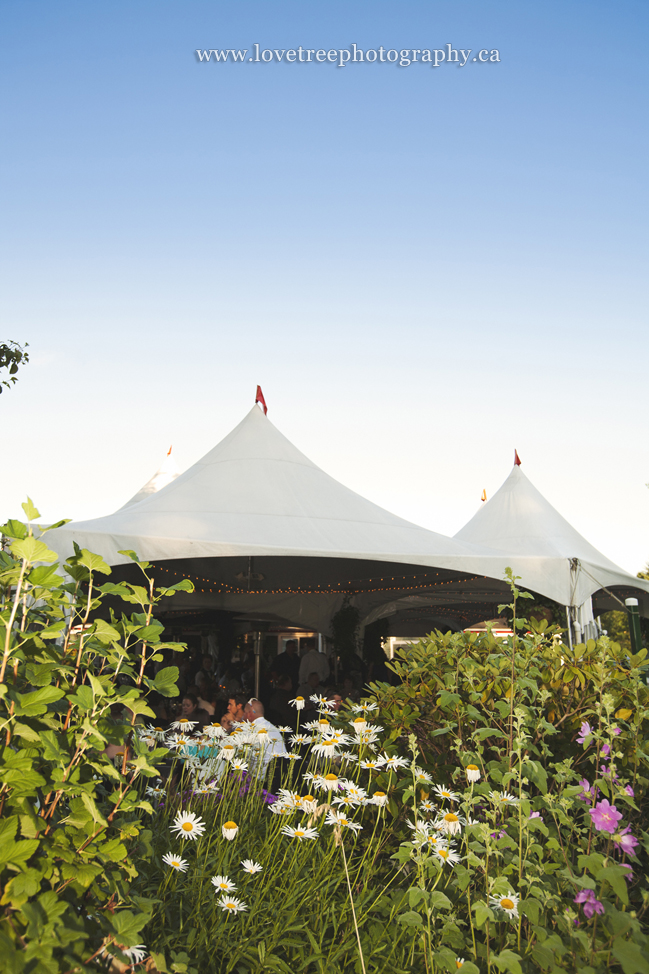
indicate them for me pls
(271, 741)
(313, 662)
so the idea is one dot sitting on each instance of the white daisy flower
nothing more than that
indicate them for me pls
(472, 774)
(298, 703)
(229, 830)
(215, 730)
(503, 798)
(443, 792)
(450, 823)
(238, 765)
(309, 804)
(285, 729)
(157, 731)
(364, 708)
(188, 825)
(298, 739)
(422, 776)
(428, 806)
(327, 748)
(279, 808)
(394, 762)
(250, 866)
(379, 798)
(367, 738)
(355, 791)
(176, 862)
(341, 820)
(156, 791)
(318, 699)
(227, 751)
(327, 782)
(447, 856)
(313, 776)
(372, 764)
(148, 739)
(177, 741)
(347, 801)
(183, 724)
(222, 884)
(508, 904)
(358, 723)
(293, 757)
(459, 963)
(299, 832)
(232, 905)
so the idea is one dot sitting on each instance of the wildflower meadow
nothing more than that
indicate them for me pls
(485, 813)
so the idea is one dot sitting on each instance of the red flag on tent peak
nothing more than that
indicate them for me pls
(169, 450)
(517, 459)
(484, 495)
(260, 398)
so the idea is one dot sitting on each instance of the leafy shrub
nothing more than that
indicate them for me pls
(72, 820)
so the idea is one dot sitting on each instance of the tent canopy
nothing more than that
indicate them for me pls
(520, 521)
(164, 475)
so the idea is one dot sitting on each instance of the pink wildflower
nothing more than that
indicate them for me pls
(590, 904)
(629, 790)
(605, 816)
(627, 842)
(584, 731)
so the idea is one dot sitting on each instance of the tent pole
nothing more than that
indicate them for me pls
(634, 625)
(257, 662)
(569, 627)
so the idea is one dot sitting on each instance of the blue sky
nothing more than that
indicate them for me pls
(423, 268)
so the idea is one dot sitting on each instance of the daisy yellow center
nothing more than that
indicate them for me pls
(342, 820)
(459, 964)
(230, 825)
(472, 767)
(308, 798)
(299, 698)
(223, 885)
(328, 743)
(445, 794)
(230, 906)
(359, 720)
(450, 817)
(379, 794)
(174, 862)
(331, 777)
(299, 833)
(443, 853)
(188, 826)
(159, 729)
(507, 904)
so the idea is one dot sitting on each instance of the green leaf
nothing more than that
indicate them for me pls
(30, 511)
(530, 908)
(159, 962)
(35, 703)
(537, 774)
(482, 913)
(411, 919)
(19, 852)
(631, 957)
(14, 529)
(614, 876)
(31, 550)
(90, 804)
(94, 563)
(439, 900)
(104, 632)
(507, 960)
(166, 681)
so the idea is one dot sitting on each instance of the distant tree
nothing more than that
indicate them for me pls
(11, 356)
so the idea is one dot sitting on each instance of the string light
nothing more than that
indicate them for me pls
(349, 587)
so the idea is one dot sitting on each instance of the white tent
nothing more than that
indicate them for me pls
(564, 567)
(256, 496)
(165, 474)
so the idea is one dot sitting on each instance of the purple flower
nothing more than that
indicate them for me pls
(617, 731)
(629, 790)
(590, 904)
(536, 815)
(588, 793)
(605, 750)
(584, 731)
(627, 842)
(605, 816)
(498, 835)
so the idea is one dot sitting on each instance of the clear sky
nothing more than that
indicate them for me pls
(424, 268)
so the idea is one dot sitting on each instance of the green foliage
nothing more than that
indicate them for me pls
(12, 355)
(72, 819)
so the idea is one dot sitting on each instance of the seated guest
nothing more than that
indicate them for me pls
(273, 746)
(312, 685)
(235, 712)
(191, 710)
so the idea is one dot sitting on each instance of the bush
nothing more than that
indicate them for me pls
(73, 824)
